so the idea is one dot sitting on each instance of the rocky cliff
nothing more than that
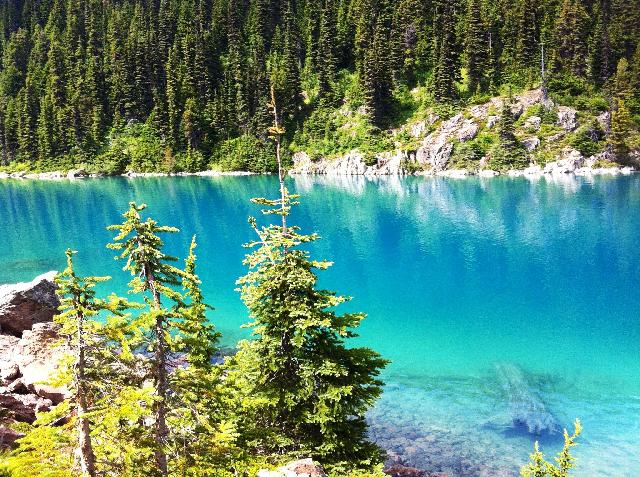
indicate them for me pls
(432, 144)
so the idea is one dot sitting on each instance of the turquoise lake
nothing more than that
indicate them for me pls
(470, 286)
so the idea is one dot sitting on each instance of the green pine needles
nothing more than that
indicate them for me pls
(304, 391)
(539, 467)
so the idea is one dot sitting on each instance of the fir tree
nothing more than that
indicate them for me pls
(304, 391)
(446, 49)
(377, 79)
(140, 246)
(327, 60)
(620, 127)
(476, 47)
(78, 307)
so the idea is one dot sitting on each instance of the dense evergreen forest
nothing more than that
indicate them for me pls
(183, 85)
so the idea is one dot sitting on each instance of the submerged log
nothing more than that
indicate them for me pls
(526, 410)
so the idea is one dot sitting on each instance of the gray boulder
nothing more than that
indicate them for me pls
(531, 143)
(24, 304)
(567, 118)
(570, 160)
(533, 123)
(8, 437)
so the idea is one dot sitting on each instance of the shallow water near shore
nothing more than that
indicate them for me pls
(461, 279)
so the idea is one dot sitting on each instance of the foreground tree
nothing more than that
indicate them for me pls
(78, 304)
(154, 277)
(304, 391)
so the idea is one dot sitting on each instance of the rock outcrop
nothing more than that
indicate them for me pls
(299, 468)
(567, 118)
(570, 160)
(8, 437)
(24, 304)
(531, 143)
(434, 141)
(29, 353)
(352, 164)
(533, 123)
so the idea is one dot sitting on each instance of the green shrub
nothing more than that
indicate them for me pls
(501, 159)
(190, 161)
(137, 148)
(369, 159)
(412, 167)
(245, 153)
(587, 139)
(539, 467)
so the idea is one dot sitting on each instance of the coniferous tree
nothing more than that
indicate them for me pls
(476, 47)
(620, 126)
(140, 245)
(446, 49)
(304, 390)
(377, 81)
(78, 307)
(571, 38)
(527, 48)
(327, 51)
(601, 54)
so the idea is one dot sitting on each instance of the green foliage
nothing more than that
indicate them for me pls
(620, 128)
(304, 391)
(45, 450)
(137, 148)
(587, 139)
(245, 153)
(467, 155)
(158, 86)
(508, 153)
(539, 467)
(328, 132)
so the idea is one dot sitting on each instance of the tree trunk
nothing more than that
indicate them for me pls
(161, 381)
(87, 457)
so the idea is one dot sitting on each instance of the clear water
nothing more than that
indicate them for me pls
(461, 279)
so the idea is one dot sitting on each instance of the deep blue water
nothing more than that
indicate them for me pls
(465, 282)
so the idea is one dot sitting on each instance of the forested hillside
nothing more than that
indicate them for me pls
(183, 85)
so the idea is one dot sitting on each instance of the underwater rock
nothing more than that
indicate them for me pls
(525, 407)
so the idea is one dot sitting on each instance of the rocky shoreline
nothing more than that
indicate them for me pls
(433, 143)
(29, 353)
(561, 167)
